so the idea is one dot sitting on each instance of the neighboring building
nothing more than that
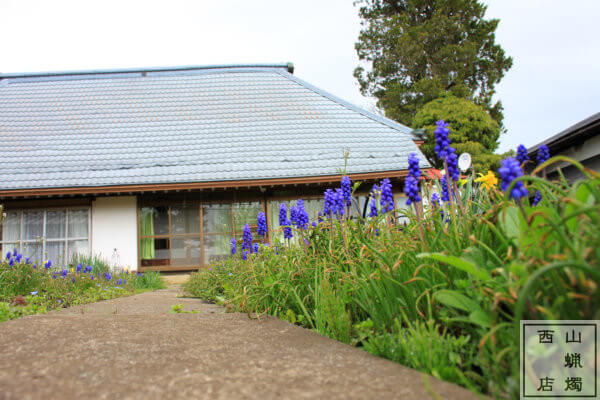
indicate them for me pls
(157, 169)
(581, 142)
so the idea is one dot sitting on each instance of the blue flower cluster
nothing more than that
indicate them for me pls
(387, 197)
(373, 206)
(347, 190)
(543, 154)
(411, 184)
(537, 198)
(284, 221)
(442, 139)
(246, 238)
(262, 224)
(522, 155)
(509, 171)
(435, 200)
(452, 162)
(299, 215)
(233, 246)
(445, 189)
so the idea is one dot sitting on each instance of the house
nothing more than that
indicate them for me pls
(157, 169)
(580, 142)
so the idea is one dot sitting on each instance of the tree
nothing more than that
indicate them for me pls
(472, 130)
(419, 49)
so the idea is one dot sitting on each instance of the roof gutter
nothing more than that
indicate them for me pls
(117, 189)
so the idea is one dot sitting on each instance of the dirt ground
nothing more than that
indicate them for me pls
(133, 348)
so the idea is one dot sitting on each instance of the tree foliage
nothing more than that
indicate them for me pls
(421, 48)
(472, 130)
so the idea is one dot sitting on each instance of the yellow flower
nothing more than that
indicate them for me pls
(488, 181)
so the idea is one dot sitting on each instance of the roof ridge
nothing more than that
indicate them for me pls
(378, 118)
(287, 66)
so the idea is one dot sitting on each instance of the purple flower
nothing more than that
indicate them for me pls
(255, 248)
(445, 189)
(329, 203)
(64, 273)
(294, 215)
(88, 269)
(120, 282)
(233, 246)
(244, 255)
(262, 224)
(435, 200)
(537, 198)
(339, 207)
(287, 232)
(387, 197)
(8, 255)
(11, 262)
(34, 266)
(73, 279)
(300, 215)
(522, 155)
(442, 141)
(543, 154)
(79, 266)
(347, 190)
(373, 206)
(411, 188)
(246, 238)
(27, 260)
(452, 162)
(18, 257)
(107, 276)
(283, 219)
(509, 171)
(413, 165)
(48, 264)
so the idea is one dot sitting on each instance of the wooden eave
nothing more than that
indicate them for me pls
(119, 189)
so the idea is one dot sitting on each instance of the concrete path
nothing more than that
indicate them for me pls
(132, 348)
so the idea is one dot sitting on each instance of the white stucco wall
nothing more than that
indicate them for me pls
(114, 230)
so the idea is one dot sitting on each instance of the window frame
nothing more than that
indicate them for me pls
(66, 239)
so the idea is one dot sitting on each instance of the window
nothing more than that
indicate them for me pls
(187, 235)
(47, 234)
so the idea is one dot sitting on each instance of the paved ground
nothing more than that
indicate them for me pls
(132, 348)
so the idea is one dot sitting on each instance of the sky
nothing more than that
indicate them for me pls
(554, 82)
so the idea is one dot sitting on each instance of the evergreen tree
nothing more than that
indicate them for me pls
(419, 49)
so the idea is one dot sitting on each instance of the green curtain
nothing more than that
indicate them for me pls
(147, 222)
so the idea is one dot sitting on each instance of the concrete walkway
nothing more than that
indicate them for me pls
(132, 348)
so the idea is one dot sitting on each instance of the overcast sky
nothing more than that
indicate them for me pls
(554, 83)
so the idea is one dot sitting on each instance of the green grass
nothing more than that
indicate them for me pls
(441, 297)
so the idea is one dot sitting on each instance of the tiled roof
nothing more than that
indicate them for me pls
(192, 124)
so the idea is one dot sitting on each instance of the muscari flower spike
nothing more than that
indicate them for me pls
(79, 266)
(411, 188)
(387, 197)
(244, 255)
(11, 262)
(255, 248)
(442, 141)
(543, 154)
(262, 224)
(246, 238)
(347, 190)
(302, 219)
(452, 162)
(328, 209)
(522, 155)
(413, 165)
(8, 255)
(233, 246)
(48, 264)
(537, 198)
(294, 215)
(435, 200)
(373, 206)
(509, 171)
(445, 189)
(64, 273)
(340, 202)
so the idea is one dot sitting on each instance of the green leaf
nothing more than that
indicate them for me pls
(510, 222)
(454, 299)
(479, 317)
(458, 263)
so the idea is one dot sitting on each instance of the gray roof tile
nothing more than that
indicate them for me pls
(191, 125)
